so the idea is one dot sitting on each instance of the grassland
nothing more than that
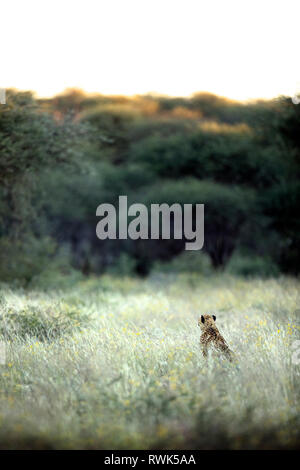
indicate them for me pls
(113, 363)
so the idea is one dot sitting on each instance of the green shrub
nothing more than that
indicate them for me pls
(40, 323)
(252, 266)
(21, 260)
(53, 277)
(125, 265)
(57, 272)
(186, 262)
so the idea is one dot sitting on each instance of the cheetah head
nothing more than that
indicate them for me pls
(206, 321)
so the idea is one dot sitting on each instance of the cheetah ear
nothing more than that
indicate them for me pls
(202, 319)
(214, 317)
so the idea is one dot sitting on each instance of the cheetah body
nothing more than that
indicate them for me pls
(212, 337)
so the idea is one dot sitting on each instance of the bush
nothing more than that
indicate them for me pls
(43, 324)
(186, 262)
(21, 260)
(56, 276)
(227, 154)
(242, 265)
(125, 265)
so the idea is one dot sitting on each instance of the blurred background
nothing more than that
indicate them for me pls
(63, 156)
(133, 124)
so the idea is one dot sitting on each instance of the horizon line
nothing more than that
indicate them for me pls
(153, 93)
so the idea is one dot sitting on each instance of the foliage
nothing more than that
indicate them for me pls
(226, 210)
(31, 140)
(36, 323)
(249, 266)
(60, 158)
(21, 260)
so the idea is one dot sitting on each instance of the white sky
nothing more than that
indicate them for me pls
(237, 48)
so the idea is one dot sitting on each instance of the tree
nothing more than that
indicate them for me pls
(30, 140)
(226, 210)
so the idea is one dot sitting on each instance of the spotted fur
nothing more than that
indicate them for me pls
(211, 336)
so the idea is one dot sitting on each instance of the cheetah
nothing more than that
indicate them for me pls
(211, 335)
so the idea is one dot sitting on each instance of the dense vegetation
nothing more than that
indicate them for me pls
(115, 363)
(60, 158)
(96, 357)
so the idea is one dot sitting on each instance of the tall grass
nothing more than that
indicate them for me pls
(116, 363)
